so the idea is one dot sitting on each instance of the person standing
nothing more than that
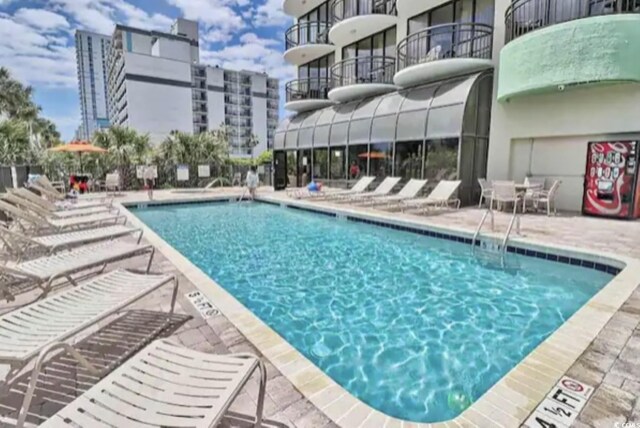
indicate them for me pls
(252, 182)
(148, 177)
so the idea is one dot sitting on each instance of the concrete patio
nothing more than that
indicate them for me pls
(611, 363)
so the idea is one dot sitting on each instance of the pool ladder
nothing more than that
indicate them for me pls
(515, 220)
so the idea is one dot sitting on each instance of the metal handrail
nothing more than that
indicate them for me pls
(487, 213)
(345, 9)
(307, 33)
(524, 16)
(312, 88)
(515, 218)
(454, 40)
(369, 69)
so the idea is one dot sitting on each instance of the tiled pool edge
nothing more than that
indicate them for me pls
(506, 404)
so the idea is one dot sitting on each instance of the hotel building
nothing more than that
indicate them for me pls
(466, 88)
(157, 85)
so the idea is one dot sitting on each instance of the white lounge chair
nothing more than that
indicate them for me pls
(42, 328)
(35, 224)
(440, 197)
(68, 205)
(165, 384)
(409, 191)
(360, 186)
(17, 199)
(21, 245)
(44, 186)
(43, 271)
(383, 189)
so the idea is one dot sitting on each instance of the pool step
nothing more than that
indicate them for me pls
(490, 255)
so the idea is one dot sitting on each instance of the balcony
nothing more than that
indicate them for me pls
(356, 19)
(297, 8)
(443, 51)
(362, 77)
(558, 45)
(307, 41)
(307, 94)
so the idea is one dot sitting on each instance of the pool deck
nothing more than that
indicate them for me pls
(599, 346)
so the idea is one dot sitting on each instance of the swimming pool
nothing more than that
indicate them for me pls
(414, 326)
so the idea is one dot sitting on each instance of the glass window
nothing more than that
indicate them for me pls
(380, 159)
(358, 156)
(442, 160)
(337, 162)
(320, 163)
(484, 12)
(304, 167)
(408, 160)
(390, 43)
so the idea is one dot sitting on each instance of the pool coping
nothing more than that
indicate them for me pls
(507, 403)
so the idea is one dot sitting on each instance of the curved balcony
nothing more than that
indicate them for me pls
(306, 41)
(297, 8)
(307, 94)
(362, 77)
(356, 19)
(525, 16)
(559, 45)
(443, 51)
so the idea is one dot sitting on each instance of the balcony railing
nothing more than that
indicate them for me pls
(524, 16)
(455, 40)
(314, 88)
(307, 33)
(345, 9)
(369, 69)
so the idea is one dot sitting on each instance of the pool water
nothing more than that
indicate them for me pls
(416, 327)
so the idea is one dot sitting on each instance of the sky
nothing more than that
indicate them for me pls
(37, 41)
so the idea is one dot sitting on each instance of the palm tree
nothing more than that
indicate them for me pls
(126, 149)
(14, 142)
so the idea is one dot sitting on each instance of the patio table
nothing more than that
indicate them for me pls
(526, 188)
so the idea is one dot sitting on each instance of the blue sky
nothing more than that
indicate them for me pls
(36, 40)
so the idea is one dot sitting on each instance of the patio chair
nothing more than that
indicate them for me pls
(36, 224)
(41, 328)
(20, 245)
(67, 205)
(112, 183)
(485, 191)
(547, 198)
(43, 271)
(165, 384)
(440, 197)
(383, 189)
(504, 192)
(409, 191)
(16, 199)
(534, 186)
(359, 187)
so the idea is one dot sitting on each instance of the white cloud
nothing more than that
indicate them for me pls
(212, 13)
(252, 53)
(41, 19)
(35, 57)
(270, 14)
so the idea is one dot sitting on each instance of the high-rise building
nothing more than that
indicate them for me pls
(419, 88)
(157, 85)
(92, 50)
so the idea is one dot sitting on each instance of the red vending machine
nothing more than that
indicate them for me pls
(611, 182)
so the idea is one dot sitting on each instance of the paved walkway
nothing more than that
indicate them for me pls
(611, 363)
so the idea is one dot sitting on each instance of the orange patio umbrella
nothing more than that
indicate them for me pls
(373, 155)
(79, 147)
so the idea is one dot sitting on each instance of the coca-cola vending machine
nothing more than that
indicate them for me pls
(611, 183)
